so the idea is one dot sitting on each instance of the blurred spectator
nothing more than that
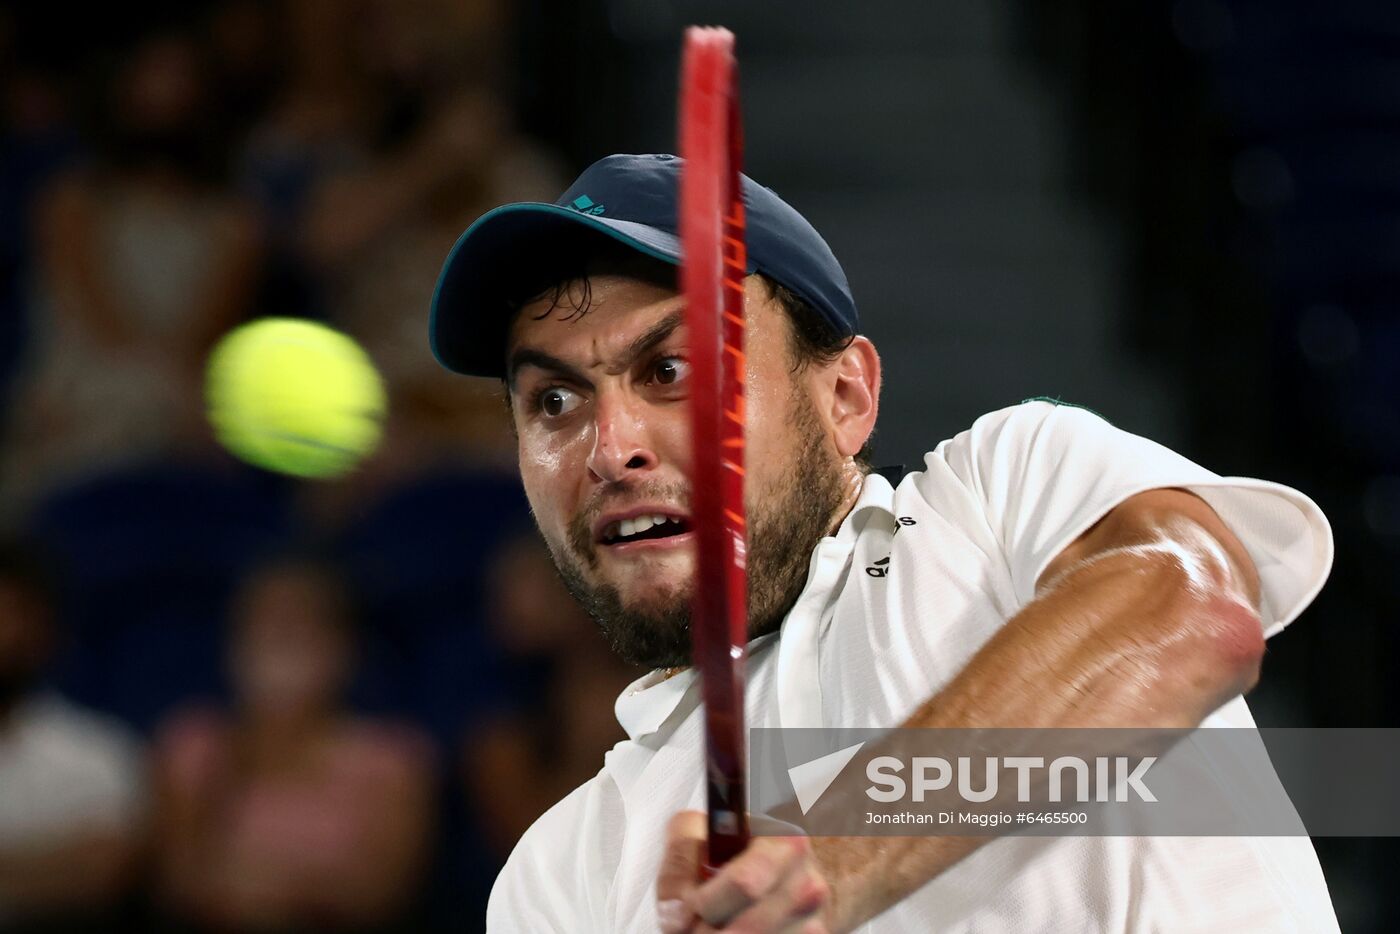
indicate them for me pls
(37, 140)
(389, 139)
(143, 262)
(519, 763)
(72, 791)
(245, 51)
(289, 811)
(383, 295)
(381, 107)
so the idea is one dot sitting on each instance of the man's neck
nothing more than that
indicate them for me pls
(853, 480)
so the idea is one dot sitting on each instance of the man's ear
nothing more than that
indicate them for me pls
(855, 395)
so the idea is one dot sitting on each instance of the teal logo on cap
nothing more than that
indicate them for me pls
(584, 205)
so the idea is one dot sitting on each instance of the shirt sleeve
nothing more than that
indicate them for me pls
(1043, 473)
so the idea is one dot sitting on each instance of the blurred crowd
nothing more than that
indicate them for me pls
(230, 701)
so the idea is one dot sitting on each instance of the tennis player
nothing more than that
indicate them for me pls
(1042, 569)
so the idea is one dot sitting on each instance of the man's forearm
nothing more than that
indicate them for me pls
(1154, 636)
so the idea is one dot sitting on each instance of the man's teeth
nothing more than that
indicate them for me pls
(629, 527)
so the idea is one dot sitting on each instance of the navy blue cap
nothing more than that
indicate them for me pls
(517, 250)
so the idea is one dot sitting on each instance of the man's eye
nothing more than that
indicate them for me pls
(670, 370)
(556, 401)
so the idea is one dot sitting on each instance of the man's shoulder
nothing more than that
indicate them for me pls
(1017, 428)
(589, 809)
(1056, 402)
(556, 867)
(89, 767)
(1013, 456)
(1030, 416)
(56, 727)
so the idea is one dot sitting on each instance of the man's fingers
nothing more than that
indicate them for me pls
(795, 906)
(773, 886)
(748, 877)
(680, 870)
(680, 863)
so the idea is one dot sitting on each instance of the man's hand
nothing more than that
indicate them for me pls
(774, 885)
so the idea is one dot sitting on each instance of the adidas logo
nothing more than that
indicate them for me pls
(584, 205)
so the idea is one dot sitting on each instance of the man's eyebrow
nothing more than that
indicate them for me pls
(658, 332)
(528, 356)
(654, 335)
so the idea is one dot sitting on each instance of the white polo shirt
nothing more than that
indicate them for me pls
(914, 582)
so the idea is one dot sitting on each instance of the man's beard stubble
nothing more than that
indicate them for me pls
(784, 525)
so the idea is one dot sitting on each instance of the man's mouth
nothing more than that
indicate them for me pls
(643, 528)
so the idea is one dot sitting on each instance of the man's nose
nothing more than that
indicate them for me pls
(620, 445)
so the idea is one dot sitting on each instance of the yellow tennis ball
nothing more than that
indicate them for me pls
(294, 396)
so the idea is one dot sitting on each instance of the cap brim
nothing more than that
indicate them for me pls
(503, 255)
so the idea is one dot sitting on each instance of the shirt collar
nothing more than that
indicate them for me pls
(876, 493)
(799, 694)
(645, 704)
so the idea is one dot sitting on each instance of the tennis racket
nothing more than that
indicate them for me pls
(712, 278)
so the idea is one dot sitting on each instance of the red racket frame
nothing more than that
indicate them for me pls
(712, 277)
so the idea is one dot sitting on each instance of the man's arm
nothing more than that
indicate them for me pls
(1149, 619)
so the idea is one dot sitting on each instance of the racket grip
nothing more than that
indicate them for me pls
(717, 856)
(729, 836)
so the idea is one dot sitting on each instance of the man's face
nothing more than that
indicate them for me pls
(290, 652)
(599, 402)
